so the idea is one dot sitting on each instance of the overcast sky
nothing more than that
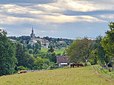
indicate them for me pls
(56, 18)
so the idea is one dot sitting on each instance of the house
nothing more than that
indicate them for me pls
(62, 61)
(44, 42)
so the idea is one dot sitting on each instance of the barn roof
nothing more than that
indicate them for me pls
(62, 59)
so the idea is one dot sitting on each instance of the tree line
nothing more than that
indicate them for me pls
(15, 56)
(98, 51)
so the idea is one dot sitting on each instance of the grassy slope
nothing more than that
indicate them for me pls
(68, 76)
(57, 51)
(60, 51)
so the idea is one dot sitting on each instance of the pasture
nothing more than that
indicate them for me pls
(57, 51)
(64, 76)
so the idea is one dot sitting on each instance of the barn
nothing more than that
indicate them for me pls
(62, 61)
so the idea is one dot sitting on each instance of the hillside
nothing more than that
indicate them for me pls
(65, 76)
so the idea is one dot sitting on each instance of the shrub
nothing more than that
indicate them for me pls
(88, 64)
(21, 68)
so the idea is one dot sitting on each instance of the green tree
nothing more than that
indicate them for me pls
(108, 42)
(51, 56)
(24, 58)
(41, 63)
(79, 51)
(98, 52)
(36, 47)
(7, 55)
(19, 53)
(51, 49)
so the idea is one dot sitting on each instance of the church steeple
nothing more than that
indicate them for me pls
(32, 31)
(32, 35)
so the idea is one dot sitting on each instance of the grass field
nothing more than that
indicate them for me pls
(66, 76)
(57, 51)
(60, 51)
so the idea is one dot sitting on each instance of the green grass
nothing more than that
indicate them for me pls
(104, 72)
(57, 51)
(44, 50)
(66, 76)
(60, 51)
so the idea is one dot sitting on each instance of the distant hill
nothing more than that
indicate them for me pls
(54, 42)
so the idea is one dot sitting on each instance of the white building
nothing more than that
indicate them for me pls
(44, 42)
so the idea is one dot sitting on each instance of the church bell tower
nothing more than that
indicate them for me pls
(32, 35)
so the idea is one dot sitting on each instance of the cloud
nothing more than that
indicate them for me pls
(25, 1)
(16, 9)
(107, 16)
(59, 18)
(54, 12)
(78, 5)
(68, 19)
(56, 18)
(46, 13)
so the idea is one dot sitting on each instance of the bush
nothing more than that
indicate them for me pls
(52, 66)
(21, 68)
(87, 64)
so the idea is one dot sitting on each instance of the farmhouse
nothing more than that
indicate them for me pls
(62, 61)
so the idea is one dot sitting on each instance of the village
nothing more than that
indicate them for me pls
(56, 42)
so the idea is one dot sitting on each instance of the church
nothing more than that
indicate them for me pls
(34, 39)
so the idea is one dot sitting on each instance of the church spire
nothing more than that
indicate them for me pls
(32, 35)
(32, 31)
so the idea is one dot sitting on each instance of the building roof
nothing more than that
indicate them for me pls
(62, 59)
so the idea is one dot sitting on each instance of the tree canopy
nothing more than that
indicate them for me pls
(7, 55)
(79, 51)
(108, 41)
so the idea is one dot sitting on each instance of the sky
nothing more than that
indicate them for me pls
(56, 18)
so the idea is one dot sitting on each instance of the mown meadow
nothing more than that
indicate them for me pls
(64, 76)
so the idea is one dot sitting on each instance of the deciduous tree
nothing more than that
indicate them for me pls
(7, 55)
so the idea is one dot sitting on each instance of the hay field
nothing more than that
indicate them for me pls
(65, 76)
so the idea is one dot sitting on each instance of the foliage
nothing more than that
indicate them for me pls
(24, 58)
(35, 48)
(108, 44)
(88, 64)
(79, 51)
(51, 56)
(21, 68)
(108, 41)
(41, 63)
(98, 52)
(7, 55)
(105, 72)
(51, 49)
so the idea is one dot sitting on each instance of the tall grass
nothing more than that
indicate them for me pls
(65, 76)
(104, 72)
